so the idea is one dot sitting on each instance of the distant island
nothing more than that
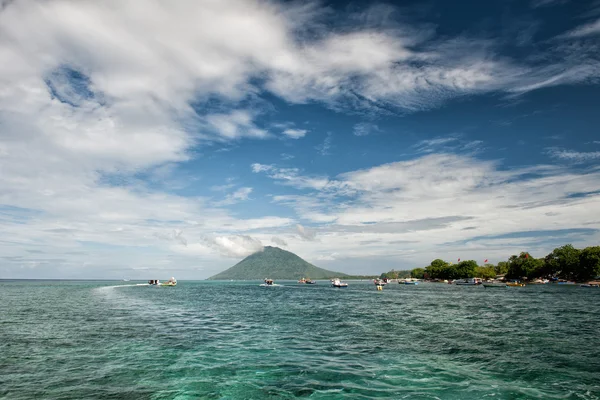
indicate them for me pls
(275, 263)
(565, 262)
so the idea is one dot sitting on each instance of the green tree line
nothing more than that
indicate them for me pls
(564, 262)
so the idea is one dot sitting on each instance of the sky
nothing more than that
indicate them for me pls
(144, 139)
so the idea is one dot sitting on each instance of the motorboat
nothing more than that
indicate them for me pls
(307, 281)
(588, 285)
(379, 282)
(268, 283)
(409, 281)
(157, 282)
(539, 281)
(468, 282)
(515, 284)
(494, 284)
(336, 283)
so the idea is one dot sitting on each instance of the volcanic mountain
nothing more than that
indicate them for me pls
(275, 263)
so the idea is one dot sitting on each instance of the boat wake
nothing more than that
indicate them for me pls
(118, 286)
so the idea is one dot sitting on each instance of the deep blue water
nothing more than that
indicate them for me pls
(236, 340)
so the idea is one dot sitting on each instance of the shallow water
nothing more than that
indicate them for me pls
(236, 340)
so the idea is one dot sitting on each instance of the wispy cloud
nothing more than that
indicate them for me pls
(295, 133)
(279, 241)
(574, 156)
(544, 3)
(235, 245)
(305, 233)
(323, 148)
(365, 128)
(592, 28)
(242, 194)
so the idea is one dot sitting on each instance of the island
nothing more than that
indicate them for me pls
(275, 263)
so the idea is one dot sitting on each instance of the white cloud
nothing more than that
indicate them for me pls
(544, 3)
(235, 246)
(295, 133)
(242, 194)
(423, 204)
(365, 128)
(305, 233)
(575, 156)
(235, 125)
(291, 176)
(323, 148)
(593, 28)
(279, 241)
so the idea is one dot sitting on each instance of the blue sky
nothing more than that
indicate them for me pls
(145, 139)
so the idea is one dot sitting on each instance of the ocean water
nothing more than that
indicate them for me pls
(236, 340)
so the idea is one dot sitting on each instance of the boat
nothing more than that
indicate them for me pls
(307, 281)
(494, 284)
(336, 283)
(589, 285)
(539, 281)
(157, 282)
(379, 282)
(409, 281)
(515, 284)
(468, 282)
(268, 283)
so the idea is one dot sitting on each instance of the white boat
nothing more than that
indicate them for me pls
(379, 282)
(468, 282)
(268, 283)
(336, 283)
(409, 281)
(157, 282)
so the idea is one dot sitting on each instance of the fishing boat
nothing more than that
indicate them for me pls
(539, 281)
(468, 282)
(157, 282)
(410, 281)
(494, 284)
(268, 283)
(336, 283)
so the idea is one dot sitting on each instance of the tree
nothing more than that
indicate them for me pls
(563, 262)
(524, 265)
(417, 273)
(485, 272)
(465, 269)
(589, 263)
(501, 268)
(438, 269)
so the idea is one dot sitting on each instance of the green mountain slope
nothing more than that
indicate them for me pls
(275, 263)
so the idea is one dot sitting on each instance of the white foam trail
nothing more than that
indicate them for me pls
(116, 286)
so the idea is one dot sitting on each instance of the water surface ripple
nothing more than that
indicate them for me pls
(236, 340)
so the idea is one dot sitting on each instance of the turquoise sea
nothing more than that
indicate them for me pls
(236, 340)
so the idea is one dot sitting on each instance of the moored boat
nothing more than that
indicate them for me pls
(468, 282)
(336, 283)
(409, 281)
(494, 285)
